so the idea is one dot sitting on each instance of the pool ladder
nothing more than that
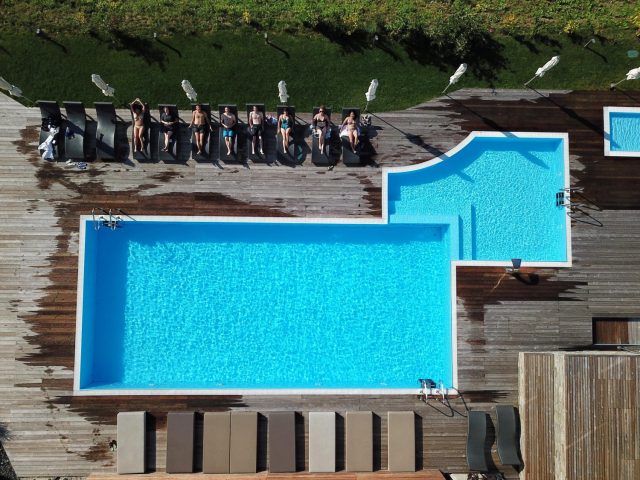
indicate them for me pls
(106, 219)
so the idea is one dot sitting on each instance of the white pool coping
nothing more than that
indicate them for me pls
(453, 389)
(607, 132)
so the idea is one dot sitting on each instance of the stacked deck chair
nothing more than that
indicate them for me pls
(173, 153)
(180, 435)
(145, 154)
(132, 435)
(106, 131)
(243, 449)
(222, 146)
(318, 157)
(508, 435)
(206, 148)
(322, 441)
(476, 438)
(290, 155)
(50, 130)
(215, 442)
(348, 157)
(359, 443)
(402, 441)
(74, 148)
(282, 442)
(257, 157)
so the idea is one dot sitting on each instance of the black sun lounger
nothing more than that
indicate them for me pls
(507, 435)
(290, 155)
(145, 154)
(132, 434)
(105, 131)
(174, 143)
(215, 442)
(222, 146)
(180, 439)
(348, 157)
(74, 131)
(51, 117)
(206, 147)
(282, 442)
(476, 437)
(260, 140)
(318, 157)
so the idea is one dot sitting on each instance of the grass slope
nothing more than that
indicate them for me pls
(240, 67)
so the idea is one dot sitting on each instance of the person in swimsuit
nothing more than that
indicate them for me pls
(168, 121)
(256, 124)
(199, 121)
(321, 124)
(228, 121)
(137, 111)
(285, 122)
(351, 123)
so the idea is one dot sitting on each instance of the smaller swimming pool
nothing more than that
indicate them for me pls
(622, 131)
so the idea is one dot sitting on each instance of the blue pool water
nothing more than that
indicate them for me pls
(207, 305)
(624, 131)
(224, 305)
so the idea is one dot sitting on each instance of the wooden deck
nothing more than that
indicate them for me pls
(53, 433)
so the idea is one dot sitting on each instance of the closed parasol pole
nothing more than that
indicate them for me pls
(107, 90)
(544, 69)
(188, 89)
(282, 91)
(633, 74)
(456, 76)
(371, 93)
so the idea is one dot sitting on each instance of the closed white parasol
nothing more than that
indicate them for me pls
(11, 89)
(632, 74)
(456, 76)
(188, 89)
(371, 93)
(545, 68)
(107, 89)
(282, 91)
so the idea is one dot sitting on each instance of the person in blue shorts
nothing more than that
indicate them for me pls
(228, 121)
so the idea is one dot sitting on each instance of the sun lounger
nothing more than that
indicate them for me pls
(476, 437)
(244, 442)
(222, 146)
(359, 443)
(74, 132)
(282, 442)
(348, 157)
(144, 154)
(51, 117)
(257, 157)
(507, 435)
(402, 441)
(215, 442)
(322, 441)
(180, 433)
(206, 150)
(290, 155)
(318, 157)
(132, 435)
(105, 131)
(174, 144)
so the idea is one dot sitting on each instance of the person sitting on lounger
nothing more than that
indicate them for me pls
(138, 111)
(256, 124)
(199, 121)
(285, 122)
(351, 124)
(228, 121)
(321, 124)
(169, 124)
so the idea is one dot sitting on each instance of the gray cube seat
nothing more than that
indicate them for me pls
(132, 446)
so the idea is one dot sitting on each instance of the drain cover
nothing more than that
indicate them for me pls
(632, 53)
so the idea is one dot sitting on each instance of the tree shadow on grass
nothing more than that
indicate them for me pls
(356, 42)
(139, 47)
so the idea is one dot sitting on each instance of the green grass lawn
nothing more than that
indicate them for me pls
(240, 68)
